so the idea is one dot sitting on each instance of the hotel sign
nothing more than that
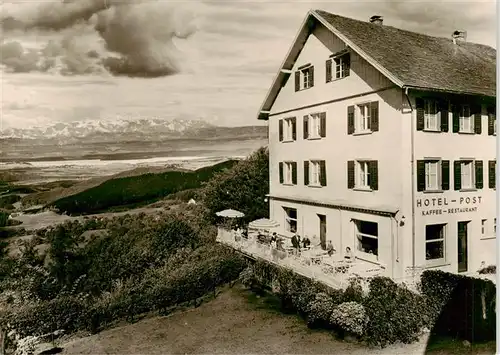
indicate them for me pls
(443, 205)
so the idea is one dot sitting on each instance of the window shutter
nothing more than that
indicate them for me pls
(491, 174)
(420, 175)
(491, 121)
(478, 124)
(373, 166)
(328, 67)
(347, 64)
(306, 126)
(444, 116)
(297, 80)
(445, 175)
(350, 174)
(350, 119)
(281, 130)
(456, 120)
(294, 128)
(457, 177)
(420, 113)
(478, 164)
(311, 76)
(322, 173)
(374, 115)
(322, 124)
(294, 173)
(306, 172)
(282, 180)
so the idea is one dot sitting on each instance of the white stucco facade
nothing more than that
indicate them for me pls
(400, 211)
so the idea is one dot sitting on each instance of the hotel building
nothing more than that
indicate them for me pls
(383, 140)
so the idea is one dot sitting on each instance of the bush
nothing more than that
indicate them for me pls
(4, 217)
(350, 317)
(320, 309)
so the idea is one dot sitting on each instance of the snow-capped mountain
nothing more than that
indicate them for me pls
(110, 130)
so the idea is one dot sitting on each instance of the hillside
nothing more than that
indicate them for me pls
(130, 190)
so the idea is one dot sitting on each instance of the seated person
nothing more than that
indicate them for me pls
(330, 249)
(348, 254)
(306, 242)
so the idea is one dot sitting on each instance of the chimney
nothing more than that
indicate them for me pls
(459, 36)
(377, 20)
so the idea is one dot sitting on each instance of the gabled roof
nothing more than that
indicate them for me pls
(408, 59)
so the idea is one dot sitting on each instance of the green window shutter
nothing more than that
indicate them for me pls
(328, 67)
(280, 122)
(479, 173)
(322, 172)
(373, 166)
(456, 119)
(478, 124)
(419, 102)
(420, 175)
(491, 174)
(297, 80)
(282, 179)
(374, 116)
(306, 173)
(457, 177)
(311, 76)
(445, 175)
(306, 126)
(322, 124)
(444, 116)
(294, 128)
(294, 173)
(350, 174)
(350, 119)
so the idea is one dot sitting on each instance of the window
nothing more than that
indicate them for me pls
(483, 227)
(466, 169)
(431, 115)
(363, 118)
(304, 77)
(338, 67)
(495, 226)
(465, 120)
(290, 219)
(432, 175)
(315, 173)
(288, 129)
(315, 126)
(367, 237)
(434, 241)
(492, 168)
(288, 173)
(362, 174)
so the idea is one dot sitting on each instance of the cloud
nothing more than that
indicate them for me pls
(127, 38)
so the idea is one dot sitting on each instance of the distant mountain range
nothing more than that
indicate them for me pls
(131, 130)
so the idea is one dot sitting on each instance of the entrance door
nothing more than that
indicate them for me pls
(462, 246)
(322, 230)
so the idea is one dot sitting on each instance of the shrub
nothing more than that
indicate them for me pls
(320, 309)
(350, 317)
(395, 313)
(4, 217)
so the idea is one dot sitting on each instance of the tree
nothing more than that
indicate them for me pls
(243, 187)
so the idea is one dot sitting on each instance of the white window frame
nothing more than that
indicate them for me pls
(338, 67)
(305, 80)
(484, 228)
(466, 122)
(428, 175)
(362, 174)
(314, 173)
(472, 180)
(288, 129)
(441, 239)
(288, 226)
(314, 126)
(362, 118)
(288, 173)
(358, 234)
(431, 120)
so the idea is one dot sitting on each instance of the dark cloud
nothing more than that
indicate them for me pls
(138, 37)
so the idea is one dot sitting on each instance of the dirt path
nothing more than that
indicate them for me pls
(234, 323)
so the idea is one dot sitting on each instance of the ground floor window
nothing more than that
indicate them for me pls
(367, 237)
(290, 219)
(434, 241)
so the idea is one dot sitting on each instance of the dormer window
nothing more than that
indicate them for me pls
(304, 77)
(465, 119)
(338, 67)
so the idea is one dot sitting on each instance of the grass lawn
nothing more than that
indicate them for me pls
(236, 322)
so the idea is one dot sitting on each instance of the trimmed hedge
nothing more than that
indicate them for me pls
(463, 307)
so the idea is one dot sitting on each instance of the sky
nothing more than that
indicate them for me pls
(190, 59)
